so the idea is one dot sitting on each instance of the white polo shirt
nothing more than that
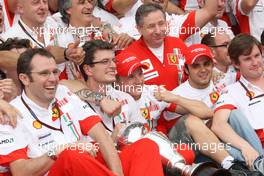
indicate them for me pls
(252, 22)
(236, 97)
(208, 95)
(49, 37)
(209, 28)
(129, 111)
(221, 80)
(67, 120)
(175, 23)
(150, 107)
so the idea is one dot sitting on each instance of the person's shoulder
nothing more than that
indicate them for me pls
(12, 32)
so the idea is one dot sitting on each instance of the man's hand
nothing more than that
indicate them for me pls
(75, 53)
(250, 155)
(164, 95)
(8, 89)
(122, 40)
(110, 107)
(8, 114)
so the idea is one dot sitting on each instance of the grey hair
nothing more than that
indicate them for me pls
(64, 5)
(146, 9)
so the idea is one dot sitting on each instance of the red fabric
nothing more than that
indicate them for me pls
(228, 106)
(63, 75)
(5, 174)
(260, 134)
(182, 4)
(243, 21)
(238, 75)
(109, 7)
(88, 123)
(168, 72)
(189, 23)
(10, 16)
(15, 155)
(172, 107)
(165, 125)
(140, 158)
(186, 152)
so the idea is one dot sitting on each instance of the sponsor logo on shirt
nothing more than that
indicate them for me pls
(148, 63)
(37, 124)
(7, 141)
(172, 59)
(214, 97)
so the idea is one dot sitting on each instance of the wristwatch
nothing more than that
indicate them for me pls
(52, 154)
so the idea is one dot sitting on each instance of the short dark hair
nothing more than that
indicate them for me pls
(262, 38)
(146, 9)
(64, 5)
(242, 44)
(90, 48)
(24, 61)
(12, 43)
(208, 39)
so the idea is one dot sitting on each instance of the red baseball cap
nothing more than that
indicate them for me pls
(127, 63)
(193, 52)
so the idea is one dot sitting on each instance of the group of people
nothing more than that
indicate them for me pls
(75, 73)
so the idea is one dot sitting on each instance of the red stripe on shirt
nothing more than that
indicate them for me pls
(188, 24)
(88, 123)
(227, 106)
(172, 107)
(5, 160)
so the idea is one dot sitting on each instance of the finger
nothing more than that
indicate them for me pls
(75, 44)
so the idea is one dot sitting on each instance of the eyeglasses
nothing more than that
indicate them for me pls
(104, 61)
(47, 73)
(222, 45)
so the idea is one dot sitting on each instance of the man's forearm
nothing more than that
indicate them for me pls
(37, 166)
(8, 60)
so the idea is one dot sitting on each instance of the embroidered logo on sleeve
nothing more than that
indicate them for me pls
(214, 97)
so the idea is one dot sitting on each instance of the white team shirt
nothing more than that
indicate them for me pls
(209, 28)
(150, 107)
(175, 22)
(70, 115)
(188, 5)
(236, 97)
(11, 140)
(49, 37)
(208, 95)
(221, 80)
(105, 16)
(129, 111)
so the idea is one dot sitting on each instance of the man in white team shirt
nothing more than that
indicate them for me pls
(245, 133)
(181, 26)
(99, 71)
(199, 67)
(212, 26)
(224, 72)
(130, 79)
(55, 119)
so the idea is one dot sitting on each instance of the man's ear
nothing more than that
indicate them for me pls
(236, 65)
(88, 70)
(24, 79)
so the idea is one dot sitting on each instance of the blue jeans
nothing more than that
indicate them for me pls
(241, 126)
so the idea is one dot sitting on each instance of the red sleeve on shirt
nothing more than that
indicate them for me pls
(15, 155)
(227, 106)
(88, 123)
(109, 7)
(172, 107)
(189, 24)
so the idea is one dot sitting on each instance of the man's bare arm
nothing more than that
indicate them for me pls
(107, 148)
(37, 166)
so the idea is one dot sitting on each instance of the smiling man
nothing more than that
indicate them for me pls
(245, 133)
